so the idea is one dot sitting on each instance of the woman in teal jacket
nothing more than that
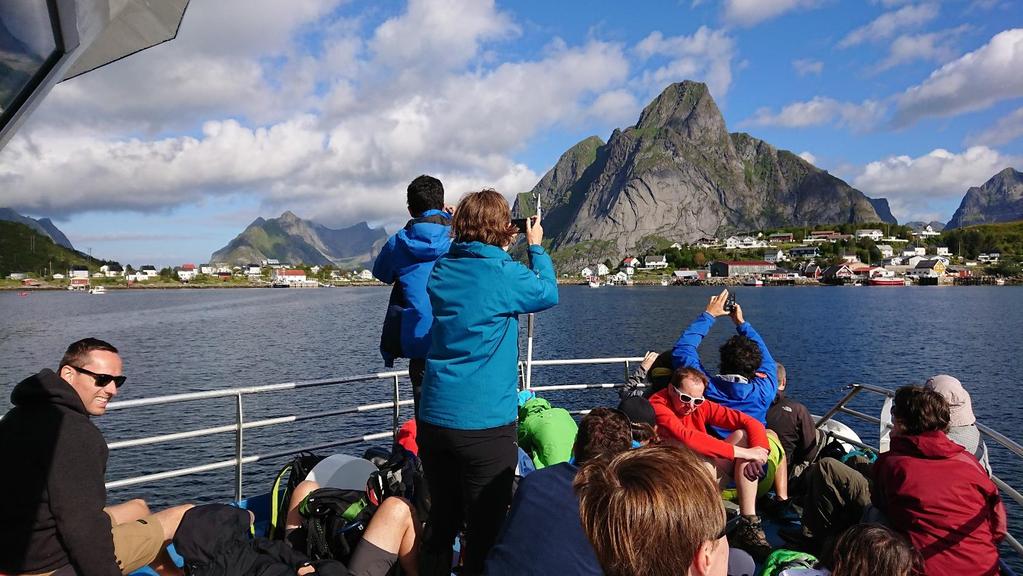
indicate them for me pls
(467, 420)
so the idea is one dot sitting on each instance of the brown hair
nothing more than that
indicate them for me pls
(869, 549)
(77, 352)
(648, 510)
(683, 373)
(920, 410)
(602, 432)
(483, 216)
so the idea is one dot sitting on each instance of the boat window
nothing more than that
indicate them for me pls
(29, 45)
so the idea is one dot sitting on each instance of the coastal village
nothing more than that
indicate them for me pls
(859, 257)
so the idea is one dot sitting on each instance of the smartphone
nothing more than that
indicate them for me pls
(730, 302)
(527, 205)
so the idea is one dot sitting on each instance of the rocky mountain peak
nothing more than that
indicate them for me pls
(1000, 199)
(687, 109)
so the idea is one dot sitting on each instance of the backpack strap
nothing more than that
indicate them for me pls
(275, 504)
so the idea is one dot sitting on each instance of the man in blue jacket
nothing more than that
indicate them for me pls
(748, 380)
(406, 262)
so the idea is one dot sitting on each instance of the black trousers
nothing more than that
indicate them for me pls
(469, 473)
(416, 370)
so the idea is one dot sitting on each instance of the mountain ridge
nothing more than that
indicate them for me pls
(294, 240)
(678, 173)
(43, 226)
(1000, 199)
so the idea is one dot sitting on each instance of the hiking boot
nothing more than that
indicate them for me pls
(786, 510)
(749, 536)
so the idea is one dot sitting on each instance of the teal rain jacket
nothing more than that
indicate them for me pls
(477, 292)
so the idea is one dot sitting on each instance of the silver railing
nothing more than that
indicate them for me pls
(240, 424)
(855, 390)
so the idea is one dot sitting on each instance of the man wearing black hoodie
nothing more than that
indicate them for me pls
(54, 498)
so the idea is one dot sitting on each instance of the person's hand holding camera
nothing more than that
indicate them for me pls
(736, 314)
(534, 231)
(716, 307)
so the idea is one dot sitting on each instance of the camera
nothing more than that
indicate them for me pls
(528, 207)
(730, 303)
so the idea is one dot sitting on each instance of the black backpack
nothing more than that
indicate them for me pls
(401, 474)
(297, 470)
(335, 521)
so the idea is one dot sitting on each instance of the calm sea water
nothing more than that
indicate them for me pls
(176, 341)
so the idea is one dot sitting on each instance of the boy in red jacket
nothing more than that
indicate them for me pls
(683, 414)
(935, 492)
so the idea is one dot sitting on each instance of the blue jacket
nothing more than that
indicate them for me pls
(542, 533)
(406, 261)
(477, 292)
(753, 397)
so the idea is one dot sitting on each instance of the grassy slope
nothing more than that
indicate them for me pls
(24, 250)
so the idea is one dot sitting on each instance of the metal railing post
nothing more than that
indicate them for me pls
(852, 393)
(397, 409)
(238, 448)
(627, 371)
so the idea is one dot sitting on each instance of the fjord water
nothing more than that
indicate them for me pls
(175, 341)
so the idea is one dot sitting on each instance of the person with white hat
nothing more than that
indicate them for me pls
(962, 427)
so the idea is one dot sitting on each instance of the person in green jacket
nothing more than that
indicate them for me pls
(546, 433)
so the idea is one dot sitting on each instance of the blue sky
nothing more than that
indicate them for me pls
(329, 108)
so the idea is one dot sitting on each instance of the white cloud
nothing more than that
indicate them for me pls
(806, 66)
(809, 157)
(705, 55)
(1003, 131)
(888, 24)
(934, 182)
(341, 153)
(753, 12)
(975, 81)
(934, 46)
(821, 111)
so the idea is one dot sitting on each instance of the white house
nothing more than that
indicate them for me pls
(586, 272)
(656, 262)
(804, 252)
(602, 270)
(57, 276)
(112, 270)
(874, 235)
(927, 232)
(137, 277)
(287, 276)
(629, 270)
(676, 246)
(365, 275)
(942, 251)
(990, 258)
(78, 272)
(149, 270)
(253, 270)
(775, 256)
(315, 269)
(271, 262)
(187, 272)
(913, 260)
(886, 250)
(630, 262)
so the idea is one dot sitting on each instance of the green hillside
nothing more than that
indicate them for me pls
(24, 250)
(1005, 237)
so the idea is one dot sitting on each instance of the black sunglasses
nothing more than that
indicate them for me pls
(730, 523)
(101, 379)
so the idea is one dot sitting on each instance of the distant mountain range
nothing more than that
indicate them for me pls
(680, 175)
(1000, 199)
(293, 240)
(43, 226)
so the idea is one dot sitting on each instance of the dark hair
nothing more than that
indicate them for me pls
(602, 432)
(425, 193)
(484, 217)
(920, 410)
(683, 373)
(740, 355)
(647, 511)
(77, 351)
(659, 374)
(873, 549)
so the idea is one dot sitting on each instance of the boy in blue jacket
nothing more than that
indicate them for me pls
(748, 380)
(406, 261)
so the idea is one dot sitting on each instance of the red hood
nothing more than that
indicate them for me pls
(933, 445)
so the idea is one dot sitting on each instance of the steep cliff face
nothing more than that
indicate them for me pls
(679, 174)
(296, 241)
(44, 226)
(1000, 199)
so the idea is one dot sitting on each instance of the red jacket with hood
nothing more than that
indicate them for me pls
(936, 493)
(691, 429)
